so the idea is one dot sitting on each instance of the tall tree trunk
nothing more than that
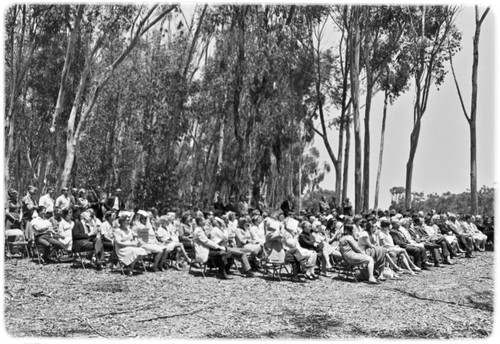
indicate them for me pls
(68, 60)
(409, 165)
(338, 174)
(381, 151)
(368, 103)
(355, 70)
(473, 111)
(472, 119)
(18, 69)
(238, 87)
(345, 178)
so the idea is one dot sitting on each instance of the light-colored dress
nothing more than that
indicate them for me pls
(127, 254)
(346, 244)
(147, 237)
(65, 231)
(257, 234)
(168, 236)
(369, 248)
(385, 240)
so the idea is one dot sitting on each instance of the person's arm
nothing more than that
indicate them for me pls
(353, 244)
(121, 241)
(273, 235)
(364, 239)
(240, 236)
(40, 227)
(202, 238)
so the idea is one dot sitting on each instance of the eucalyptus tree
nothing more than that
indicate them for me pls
(393, 82)
(471, 118)
(431, 32)
(28, 28)
(382, 31)
(101, 26)
(264, 80)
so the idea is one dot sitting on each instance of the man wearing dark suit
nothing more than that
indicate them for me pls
(94, 198)
(287, 206)
(219, 205)
(231, 206)
(418, 253)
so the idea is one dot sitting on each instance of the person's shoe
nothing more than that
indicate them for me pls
(309, 277)
(447, 261)
(416, 269)
(373, 282)
(249, 274)
(296, 278)
(222, 276)
(425, 267)
(438, 265)
(469, 255)
(428, 264)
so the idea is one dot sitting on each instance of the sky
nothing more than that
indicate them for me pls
(442, 161)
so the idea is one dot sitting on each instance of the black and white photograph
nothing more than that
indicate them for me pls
(249, 171)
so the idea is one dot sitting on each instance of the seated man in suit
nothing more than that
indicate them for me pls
(418, 253)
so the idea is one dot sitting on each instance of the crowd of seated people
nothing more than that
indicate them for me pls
(384, 244)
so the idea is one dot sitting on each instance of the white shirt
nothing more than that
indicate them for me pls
(219, 236)
(41, 225)
(47, 202)
(62, 202)
(107, 230)
(116, 205)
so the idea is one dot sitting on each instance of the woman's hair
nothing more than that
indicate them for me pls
(108, 214)
(123, 218)
(348, 229)
(199, 221)
(65, 212)
(76, 214)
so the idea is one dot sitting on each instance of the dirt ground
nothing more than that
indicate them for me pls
(59, 300)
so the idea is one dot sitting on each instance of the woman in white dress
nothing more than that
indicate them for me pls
(65, 229)
(147, 238)
(127, 246)
(168, 236)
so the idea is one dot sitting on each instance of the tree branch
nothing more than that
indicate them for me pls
(458, 89)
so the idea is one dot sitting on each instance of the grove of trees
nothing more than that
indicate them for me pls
(174, 104)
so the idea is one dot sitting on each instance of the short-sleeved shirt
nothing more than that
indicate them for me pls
(47, 202)
(63, 202)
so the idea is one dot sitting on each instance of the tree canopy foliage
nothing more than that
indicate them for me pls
(175, 107)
